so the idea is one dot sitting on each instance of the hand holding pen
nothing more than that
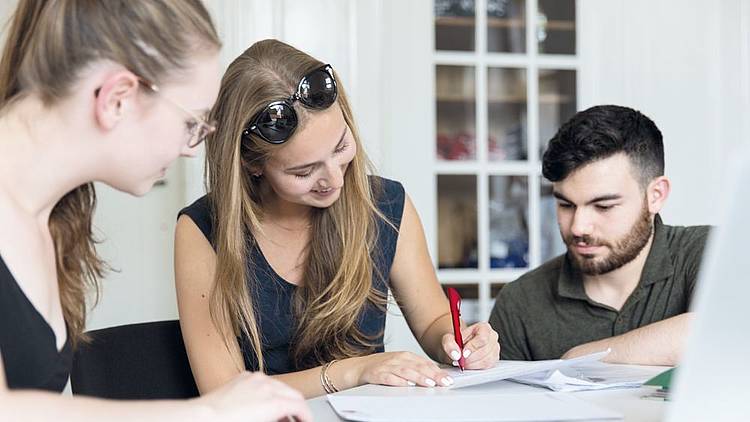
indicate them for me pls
(472, 347)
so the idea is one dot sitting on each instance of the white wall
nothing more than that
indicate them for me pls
(684, 64)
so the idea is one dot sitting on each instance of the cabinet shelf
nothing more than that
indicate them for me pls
(509, 99)
(467, 21)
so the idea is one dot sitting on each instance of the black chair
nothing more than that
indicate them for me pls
(137, 361)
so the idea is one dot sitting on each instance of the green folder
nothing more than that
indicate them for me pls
(663, 380)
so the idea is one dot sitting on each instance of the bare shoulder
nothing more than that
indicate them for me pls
(194, 257)
(188, 231)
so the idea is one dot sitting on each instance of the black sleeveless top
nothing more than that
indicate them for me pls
(273, 295)
(27, 342)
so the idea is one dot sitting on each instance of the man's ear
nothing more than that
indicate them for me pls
(657, 193)
(114, 97)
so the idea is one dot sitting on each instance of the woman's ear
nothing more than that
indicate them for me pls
(657, 193)
(256, 171)
(114, 97)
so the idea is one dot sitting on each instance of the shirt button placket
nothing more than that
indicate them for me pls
(620, 325)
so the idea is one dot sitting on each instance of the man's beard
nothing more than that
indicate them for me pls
(623, 251)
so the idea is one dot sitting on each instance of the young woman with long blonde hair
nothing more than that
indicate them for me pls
(107, 91)
(284, 266)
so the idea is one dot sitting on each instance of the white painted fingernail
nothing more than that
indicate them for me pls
(430, 382)
(445, 381)
(455, 355)
(467, 353)
(411, 383)
(450, 380)
(455, 363)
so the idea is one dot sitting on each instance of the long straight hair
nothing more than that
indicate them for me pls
(338, 270)
(49, 43)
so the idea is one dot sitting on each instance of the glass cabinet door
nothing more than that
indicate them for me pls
(556, 27)
(506, 26)
(509, 221)
(557, 102)
(505, 81)
(456, 112)
(457, 221)
(454, 25)
(506, 114)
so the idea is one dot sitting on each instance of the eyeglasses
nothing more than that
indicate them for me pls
(198, 128)
(276, 123)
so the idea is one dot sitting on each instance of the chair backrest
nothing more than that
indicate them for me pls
(137, 361)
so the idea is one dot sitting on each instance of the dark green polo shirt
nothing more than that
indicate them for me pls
(546, 312)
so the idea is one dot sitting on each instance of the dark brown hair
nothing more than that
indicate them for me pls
(601, 132)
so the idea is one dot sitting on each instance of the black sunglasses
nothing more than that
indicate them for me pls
(278, 120)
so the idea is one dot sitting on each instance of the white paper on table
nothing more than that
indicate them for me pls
(468, 408)
(588, 376)
(506, 369)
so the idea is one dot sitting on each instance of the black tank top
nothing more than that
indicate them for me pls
(27, 342)
(272, 296)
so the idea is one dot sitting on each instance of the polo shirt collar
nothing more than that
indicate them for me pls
(658, 266)
(570, 281)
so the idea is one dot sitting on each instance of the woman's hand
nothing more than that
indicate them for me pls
(401, 369)
(481, 349)
(255, 397)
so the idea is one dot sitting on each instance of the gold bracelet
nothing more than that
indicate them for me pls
(325, 380)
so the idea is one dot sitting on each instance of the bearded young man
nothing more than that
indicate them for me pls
(627, 279)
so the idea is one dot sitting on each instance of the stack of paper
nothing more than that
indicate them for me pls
(507, 369)
(588, 376)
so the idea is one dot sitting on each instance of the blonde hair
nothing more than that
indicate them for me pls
(49, 43)
(338, 271)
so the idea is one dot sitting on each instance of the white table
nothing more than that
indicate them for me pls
(627, 402)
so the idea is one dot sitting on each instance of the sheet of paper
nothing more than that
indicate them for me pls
(469, 408)
(588, 376)
(506, 369)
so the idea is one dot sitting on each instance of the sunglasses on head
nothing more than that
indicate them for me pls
(276, 123)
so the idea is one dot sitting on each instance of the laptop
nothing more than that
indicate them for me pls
(713, 380)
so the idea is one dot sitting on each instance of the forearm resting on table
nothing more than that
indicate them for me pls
(344, 373)
(660, 343)
(42, 406)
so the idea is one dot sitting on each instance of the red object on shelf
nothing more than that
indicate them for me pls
(460, 146)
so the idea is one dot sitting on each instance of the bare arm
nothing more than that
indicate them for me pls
(416, 287)
(392, 368)
(659, 343)
(247, 397)
(424, 304)
(213, 362)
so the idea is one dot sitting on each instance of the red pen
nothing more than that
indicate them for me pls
(455, 301)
